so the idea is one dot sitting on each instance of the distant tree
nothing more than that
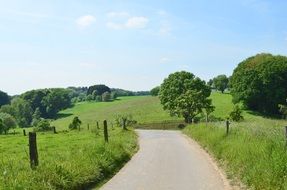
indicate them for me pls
(125, 121)
(100, 89)
(23, 112)
(43, 125)
(36, 117)
(8, 109)
(76, 123)
(184, 95)
(106, 97)
(99, 98)
(236, 114)
(210, 83)
(57, 99)
(35, 99)
(260, 82)
(90, 97)
(7, 122)
(220, 83)
(4, 98)
(114, 95)
(155, 91)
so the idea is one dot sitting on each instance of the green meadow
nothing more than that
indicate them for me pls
(254, 151)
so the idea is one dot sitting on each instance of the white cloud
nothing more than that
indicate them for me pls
(164, 60)
(85, 21)
(137, 22)
(118, 14)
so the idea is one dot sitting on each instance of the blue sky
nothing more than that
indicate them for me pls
(131, 44)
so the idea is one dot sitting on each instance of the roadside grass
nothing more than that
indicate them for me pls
(69, 160)
(254, 151)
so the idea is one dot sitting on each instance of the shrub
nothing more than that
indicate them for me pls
(43, 125)
(236, 114)
(76, 123)
(7, 122)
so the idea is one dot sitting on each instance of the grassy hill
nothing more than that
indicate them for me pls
(254, 151)
(144, 109)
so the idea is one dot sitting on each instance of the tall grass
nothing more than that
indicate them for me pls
(70, 160)
(254, 151)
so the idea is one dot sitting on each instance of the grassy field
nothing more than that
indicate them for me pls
(254, 151)
(144, 109)
(73, 159)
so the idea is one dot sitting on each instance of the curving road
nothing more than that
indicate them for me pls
(167, 160)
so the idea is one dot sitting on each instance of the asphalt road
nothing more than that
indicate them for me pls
(168, 160)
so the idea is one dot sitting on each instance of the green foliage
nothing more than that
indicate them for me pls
(90, 97)
(184, 95)
(220, 82)
(260, 82)
(48, 101)
(22, 112)
(236, 114)
(283, 110)
(36, 117)
(76, 123)
(99, 89)
(155, 91)
(4, 98)
(7, 122)
(43, 125)
(106, 97)
(125, 121)
(114, 95)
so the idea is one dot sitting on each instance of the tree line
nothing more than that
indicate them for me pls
(38, 107)
(259, 83)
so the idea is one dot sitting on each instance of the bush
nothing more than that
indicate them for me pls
(106, 97)
(76, 123)
(7, 122)
(236, 114)
(43, 125)
(125, 121)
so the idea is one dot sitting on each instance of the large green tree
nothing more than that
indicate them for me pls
(7, 122)
(184, 95)
(100, 89)
(4, 98)
(22, 112)
(260, 82)
(220, 83)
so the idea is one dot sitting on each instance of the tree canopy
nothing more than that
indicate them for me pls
(155, 91)
(4, 98)
(220, 83)
(100, 89)
(260, 82)
(184, 95)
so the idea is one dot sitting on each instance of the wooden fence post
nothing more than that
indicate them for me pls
(54, 130)
(98, 125)
(106, 131)
(88, 127)
(33, 150)
(286, 135)
(227, 127)
(24, 132)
